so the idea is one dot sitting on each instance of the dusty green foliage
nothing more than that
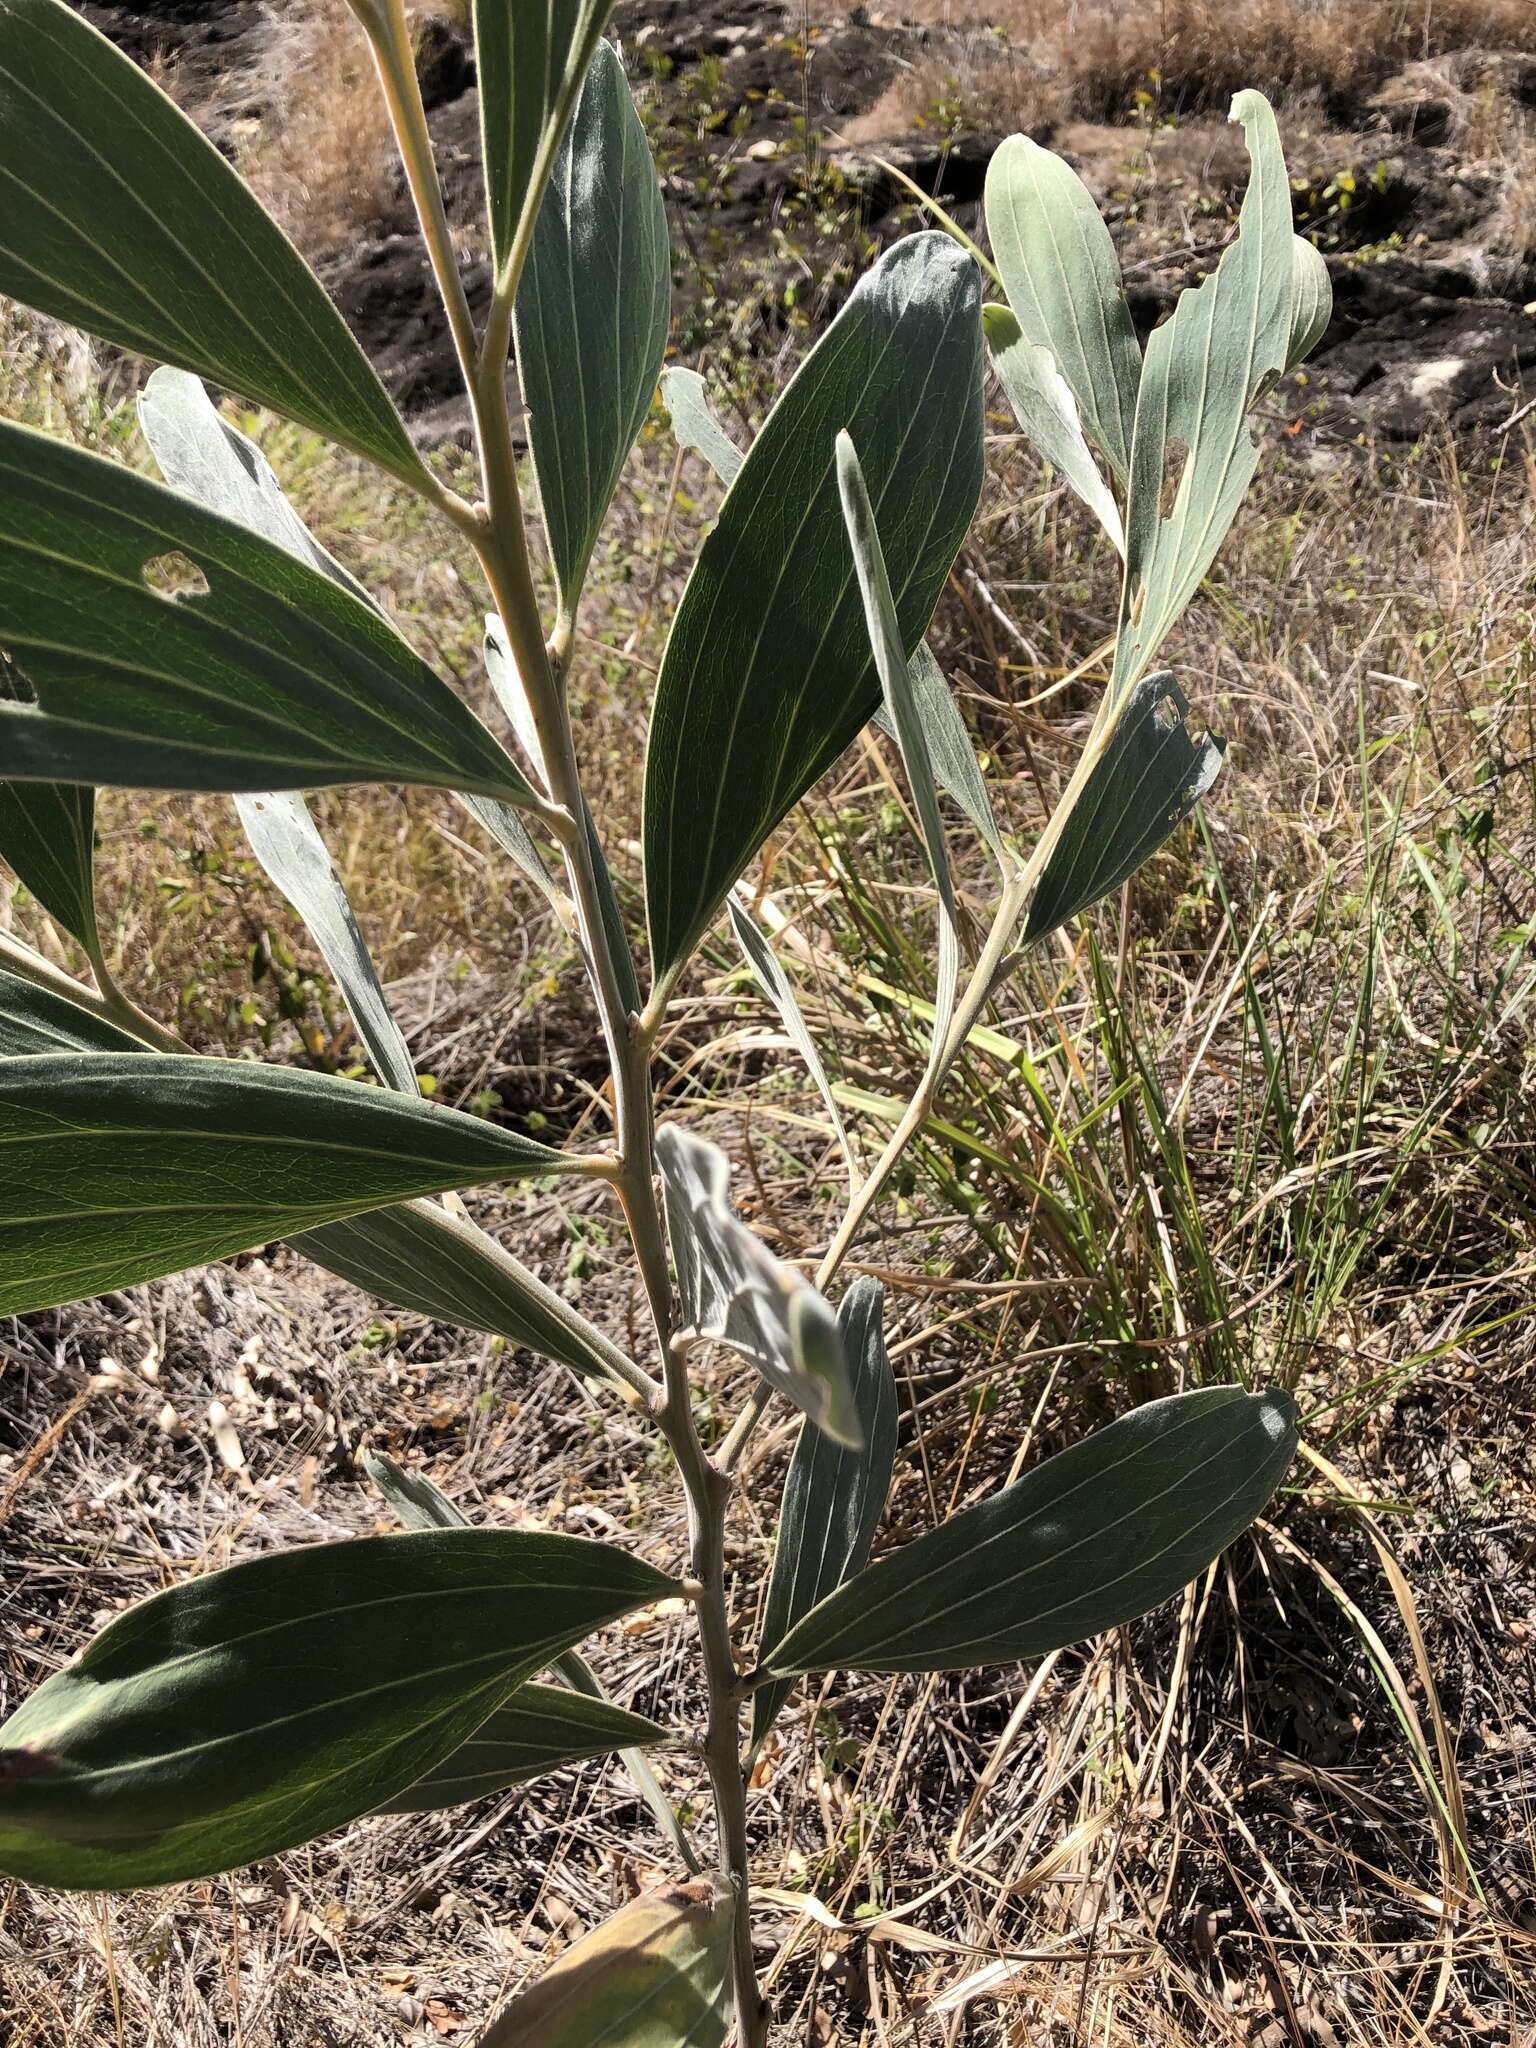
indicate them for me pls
(197, 637)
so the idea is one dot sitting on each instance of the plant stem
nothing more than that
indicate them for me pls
(500, 541)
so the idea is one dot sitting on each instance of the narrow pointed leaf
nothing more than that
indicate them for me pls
(950, 752)
(768, 673)
(1145, 782)
(734, 1290)
(287, 842)
(169, 1750)
(592, 314)
(1062, 277)
(1225, 343)
(695, 424)
(530, 59)
(46, 840)
(1312, 305)
(770, 977)
(540, 1728)
(121, 1167)
(1043, 404)
(902, 709)
(36, 1020)
(416, 1256)
(120, 218)
(275, 678)
(1094, 1537)
(657, 1975)
(418, 1503)
(833, 1496)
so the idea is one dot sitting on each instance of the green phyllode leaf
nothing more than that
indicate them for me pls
(735, 1291)
(768, 673)
(539, 1728)
(120, 218)
(775, 984)
(416, 1256)
(167, 1751)
(1227, 341)
(903, 711)
(36, 1020)
(531, 57)
(1062, 277)
(1145, 781)
(1045, 408)
(47, 840)
(275, 678)
(121, 1167)
(833, 1496)
(695, 425)
(657, 1975)
(592, 314)
(1094, 1537)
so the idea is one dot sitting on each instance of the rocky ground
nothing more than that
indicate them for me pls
(1432, 320)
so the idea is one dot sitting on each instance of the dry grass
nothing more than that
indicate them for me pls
(1035, 63)
(1217, 1827)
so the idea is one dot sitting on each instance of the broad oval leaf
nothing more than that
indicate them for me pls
(47, 840)
(1094, 1537)
(1225, 343)
(1043, 404)
(122, 219)
(768, 672)
(1145, 778)
(657, 1975)
(34, 1019)
(592, 313)
(539, 1728)
(735, 1291)
(530, 59)
(1062, 277)
(275, 678)
(169, 1749)
(833, 1496)
(121, 1167)
(416, 1256)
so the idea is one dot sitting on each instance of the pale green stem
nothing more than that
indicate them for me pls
(500, 540)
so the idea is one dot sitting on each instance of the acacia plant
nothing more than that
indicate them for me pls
(238, 1714)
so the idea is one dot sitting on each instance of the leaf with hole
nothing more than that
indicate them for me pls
(531, 57)
(833, 1496)
(121, 1167)
(735, 1291)
(1226, 342)
(277, 678)
(122, 219)
(1062, 277)
(592, 314)
(656, 1975)
(1093, 1537)
(1045, 409)
(768, 673)
(166, 1751)
(1142, 782)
